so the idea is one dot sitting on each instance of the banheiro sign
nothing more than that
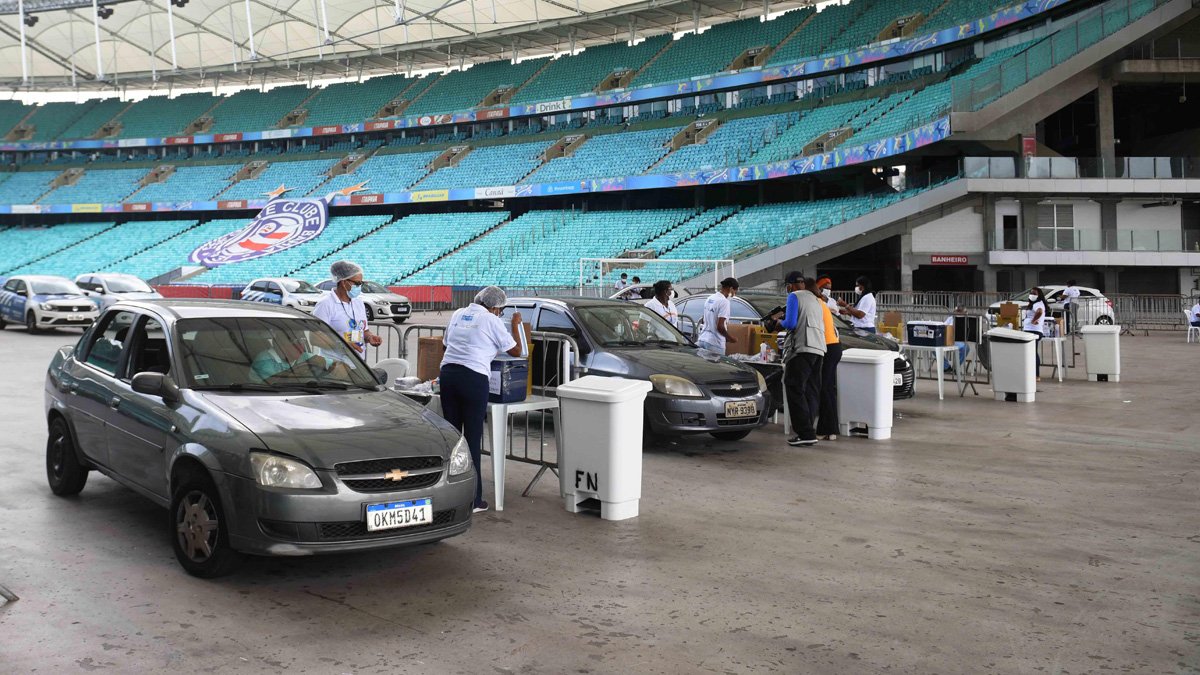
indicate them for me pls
(947, 260)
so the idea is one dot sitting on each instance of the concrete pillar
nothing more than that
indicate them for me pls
(1106, 139)
(989, 278)
(1108, 222)
(906, 262)
(1110, 280)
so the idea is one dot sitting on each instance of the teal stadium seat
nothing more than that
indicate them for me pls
(732, 143)
(25, 187)
(97, 186)
(606, 155)
(384, 173)
(351, 102)
(158, 116)
(465, 89)
(582, 73)
(109, 247)
(88, 124)
(24, 245)
(303, 176)
(188, 183)
(254, 110)
(172, 253)
(489, 166)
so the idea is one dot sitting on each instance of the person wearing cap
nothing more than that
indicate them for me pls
(714, 335)
(825, 291)
(344, 310)
(803, 353)
(473, 338)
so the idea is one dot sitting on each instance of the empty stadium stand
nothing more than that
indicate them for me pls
(464, 89)
(585, 72)
(608, 155)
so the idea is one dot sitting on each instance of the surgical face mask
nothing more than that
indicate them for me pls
(354, 291)
(825, 292)
(1032, 297)
(857, 290)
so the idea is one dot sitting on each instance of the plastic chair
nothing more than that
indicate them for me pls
(1193, 332)
(395, 368)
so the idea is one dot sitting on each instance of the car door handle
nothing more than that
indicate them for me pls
(114, 403)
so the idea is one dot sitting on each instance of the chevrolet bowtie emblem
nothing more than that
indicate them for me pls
(396, 475)
(736, 387)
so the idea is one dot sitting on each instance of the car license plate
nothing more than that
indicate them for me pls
(74, 317)
(897, 380)
(399, 514)
(741, 409)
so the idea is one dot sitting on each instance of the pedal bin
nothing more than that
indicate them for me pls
(601, 453)
(1102, 349)
(864, 381)
(1014, 364)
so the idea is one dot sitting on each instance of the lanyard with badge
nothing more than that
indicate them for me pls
(355, 335)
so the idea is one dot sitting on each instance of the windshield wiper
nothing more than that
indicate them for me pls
(313, 384)
(241, 386)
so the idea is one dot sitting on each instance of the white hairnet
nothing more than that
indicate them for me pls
(491, 297)
(344, 269)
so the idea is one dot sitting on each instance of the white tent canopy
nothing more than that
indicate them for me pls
(188, 43)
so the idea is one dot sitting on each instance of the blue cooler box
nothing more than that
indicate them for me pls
(509, 380)
(926, 333)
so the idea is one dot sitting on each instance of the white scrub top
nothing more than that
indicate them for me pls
(474, 337)
(866, 305)
(348, 319)
(669, 312)
(715, 307)
(1040, 326)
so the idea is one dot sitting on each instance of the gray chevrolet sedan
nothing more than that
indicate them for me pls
(257, 427)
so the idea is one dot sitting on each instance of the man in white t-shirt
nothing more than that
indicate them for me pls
(1069, 295)
(344, 310)
(662, 305)
(1196, 315)
(714, 335)
(622, 283)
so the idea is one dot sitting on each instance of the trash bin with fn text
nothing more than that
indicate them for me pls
(601, 454)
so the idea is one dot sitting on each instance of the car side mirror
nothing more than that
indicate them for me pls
(381, 375)
(156, 384)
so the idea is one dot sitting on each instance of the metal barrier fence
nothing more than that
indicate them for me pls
(553, 361)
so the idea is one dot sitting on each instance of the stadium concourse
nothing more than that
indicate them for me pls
(950, 152)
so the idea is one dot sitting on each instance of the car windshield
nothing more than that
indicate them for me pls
(763, 304)
(53, 287)
(627, 325)
(268, 354)
(130, 285)
(298, 286)
(372, 287)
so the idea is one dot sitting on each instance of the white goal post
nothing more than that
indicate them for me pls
(594, 272)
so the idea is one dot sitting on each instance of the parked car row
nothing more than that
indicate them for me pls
(44, 302)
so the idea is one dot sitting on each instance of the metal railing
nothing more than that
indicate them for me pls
(973, 94)
(1080, 167)
(1112, 241)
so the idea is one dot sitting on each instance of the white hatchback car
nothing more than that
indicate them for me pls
(295, 293)
(1093, 307)
(382, 304)
(105, 288)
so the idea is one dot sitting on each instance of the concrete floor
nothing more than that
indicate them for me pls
(1057, 537)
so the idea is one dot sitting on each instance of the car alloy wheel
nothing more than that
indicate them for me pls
(201, 537)
(1104, 321)
(370, 314)
(64, 473)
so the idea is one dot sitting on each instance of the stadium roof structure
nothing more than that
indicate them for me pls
(160, 44)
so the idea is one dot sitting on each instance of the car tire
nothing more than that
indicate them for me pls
(199, 530)
(64, 473)
(3, 323)
(730, 435)
(400, 320)
(370, 315)
(31, 323)
(1104, 321)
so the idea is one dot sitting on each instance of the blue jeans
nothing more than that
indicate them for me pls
(464, 405)
(962, 355)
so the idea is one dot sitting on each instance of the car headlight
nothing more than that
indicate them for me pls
(673, 385)
(276, 471)
(460, 458)
(46, 307)
(762, 381)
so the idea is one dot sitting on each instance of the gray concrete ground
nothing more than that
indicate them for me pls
(1057, 537)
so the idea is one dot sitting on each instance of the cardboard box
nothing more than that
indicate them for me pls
(1009, 316)
(893, 324)
(744, 333)
(928, 333)
(430, 351)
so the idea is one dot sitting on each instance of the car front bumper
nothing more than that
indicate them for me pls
(333, 519)
(394, 310)
(56, 319)
(673, 415)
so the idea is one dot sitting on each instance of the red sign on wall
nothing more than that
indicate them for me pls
(179, 140)
(493, 114)
(139, 206)
(232, 204)
(227, 138)
(378, 126)
(325, 131)
(1028, 146)
(366, 199)
(947, 260)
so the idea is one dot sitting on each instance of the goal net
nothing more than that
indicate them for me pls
(598, 277)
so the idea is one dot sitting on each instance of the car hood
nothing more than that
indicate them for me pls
(642, 362)
(325, 429)
(66, 299)
(384, 297)
(864, 340)
(137, 295)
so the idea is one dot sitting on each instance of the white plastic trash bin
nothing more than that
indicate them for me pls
(864, 380)
(1014, 364)
(1102, 349)
(601, 453)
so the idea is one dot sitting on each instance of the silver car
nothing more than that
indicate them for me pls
(257, 427)
(105, 288)
(382, 304)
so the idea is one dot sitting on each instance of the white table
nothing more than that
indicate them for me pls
(939, 354)
(1058, 346)
(498, 415)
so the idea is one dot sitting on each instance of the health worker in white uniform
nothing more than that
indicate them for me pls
(344, 310)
